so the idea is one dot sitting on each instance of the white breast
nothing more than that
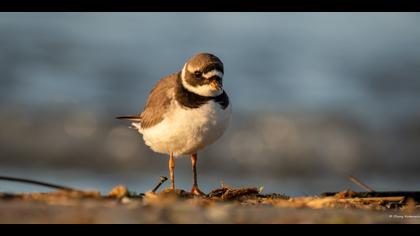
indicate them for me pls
(184, 131)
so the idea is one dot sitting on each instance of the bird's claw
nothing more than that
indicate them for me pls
(197, 192)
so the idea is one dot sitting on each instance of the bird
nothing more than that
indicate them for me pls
(185, 112)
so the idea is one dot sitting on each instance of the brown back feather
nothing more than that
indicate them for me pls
(159, 100)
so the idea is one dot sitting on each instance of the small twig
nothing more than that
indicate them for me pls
(162, 180)
(34, 182)
(361, 184)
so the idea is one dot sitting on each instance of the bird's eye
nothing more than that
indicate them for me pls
(198, 74)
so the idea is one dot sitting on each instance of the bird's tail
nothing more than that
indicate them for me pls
(134, 118)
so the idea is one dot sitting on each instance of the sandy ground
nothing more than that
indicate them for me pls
(95, 212)
(223, 206)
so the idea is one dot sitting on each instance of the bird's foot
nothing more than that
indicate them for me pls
(197, 192)
(170, 190)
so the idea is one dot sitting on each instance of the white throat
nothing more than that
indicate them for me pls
(202, 90)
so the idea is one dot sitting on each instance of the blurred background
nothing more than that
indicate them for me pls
(316, 97)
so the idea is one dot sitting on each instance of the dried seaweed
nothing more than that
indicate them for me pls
(228, 194)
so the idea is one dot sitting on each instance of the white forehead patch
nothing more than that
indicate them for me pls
(213, 73)
(183, 71)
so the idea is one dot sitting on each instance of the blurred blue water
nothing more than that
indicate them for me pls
(274, 61)
(140, 183)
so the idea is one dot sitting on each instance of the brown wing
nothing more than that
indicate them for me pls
(159, 100)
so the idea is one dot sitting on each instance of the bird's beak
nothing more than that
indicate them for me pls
(215, 85)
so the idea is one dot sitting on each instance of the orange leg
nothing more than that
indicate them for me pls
(195, 190)
(172, 170)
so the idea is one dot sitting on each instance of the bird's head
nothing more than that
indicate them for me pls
(203, 75)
